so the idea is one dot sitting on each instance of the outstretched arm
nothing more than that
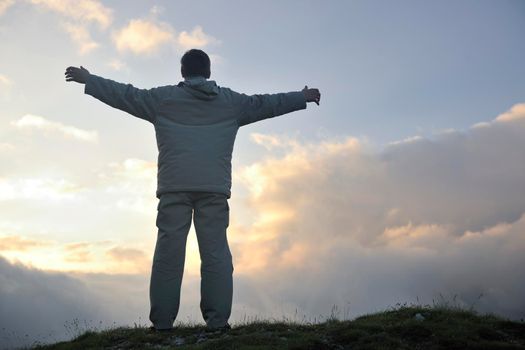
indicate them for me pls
(262, 106)
(141, 103)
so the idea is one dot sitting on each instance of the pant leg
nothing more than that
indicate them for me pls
(173, 221)
(211, 220)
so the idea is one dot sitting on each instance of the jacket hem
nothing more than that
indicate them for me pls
(215, 189)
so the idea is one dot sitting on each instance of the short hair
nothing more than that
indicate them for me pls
(195, 62)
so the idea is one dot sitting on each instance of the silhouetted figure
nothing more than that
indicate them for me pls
(196, 123)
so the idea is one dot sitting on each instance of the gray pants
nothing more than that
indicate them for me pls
(211, 219)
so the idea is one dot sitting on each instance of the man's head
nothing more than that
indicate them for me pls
(195, 63)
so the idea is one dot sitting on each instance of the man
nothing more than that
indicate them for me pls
(196, 123)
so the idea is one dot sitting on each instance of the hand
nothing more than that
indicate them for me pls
(312, 95)
(80, 75)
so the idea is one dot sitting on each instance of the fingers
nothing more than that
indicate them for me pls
(71, 70)
(71, 73)
(316, 95)
(71, 77)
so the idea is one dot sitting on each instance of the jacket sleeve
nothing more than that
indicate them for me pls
(262, 106)
(141, 103)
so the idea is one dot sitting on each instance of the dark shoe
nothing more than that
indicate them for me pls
(221, 329)
(163, 331)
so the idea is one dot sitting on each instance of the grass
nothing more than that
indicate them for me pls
(441, 326)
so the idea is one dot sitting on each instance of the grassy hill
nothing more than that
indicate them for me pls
(405, 327)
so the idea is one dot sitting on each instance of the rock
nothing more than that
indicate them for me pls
(419, 317)
(200, 339)
(177, 341)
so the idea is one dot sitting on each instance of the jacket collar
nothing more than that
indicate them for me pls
(196, 79)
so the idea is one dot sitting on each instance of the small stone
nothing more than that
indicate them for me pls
(419, 317)
(178, 341)
(201, 339)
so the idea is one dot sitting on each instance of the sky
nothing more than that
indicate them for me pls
(405, 185)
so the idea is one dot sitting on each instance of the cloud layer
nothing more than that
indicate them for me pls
(143, 36)
(421, 217)
(148, 36)
(30, 121)
(140, 36)
(329, 223)
(4, 5)
(40, 306)
(85, 11)
(76, 18)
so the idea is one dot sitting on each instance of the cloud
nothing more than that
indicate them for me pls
(142, 36)
(515, 113)
(117, 64)
(4, 147)
(328, 222)
(84, 11)
(16, 243)
(410, 139)
(271, 142)
(130, 259)
(30, 121)
(96, 257)
(75, 257)
(77, 16)
(46, 307)
(78, 252)
(134, 181)
(148, 36)
(125, 254)
(4, 5)
(133, 168)
(421, 217)
(81, 37)
(196, 39)
(38, 188)
(5, 80)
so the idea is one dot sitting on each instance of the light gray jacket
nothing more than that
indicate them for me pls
(196, 123)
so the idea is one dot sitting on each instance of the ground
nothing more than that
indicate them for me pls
(403, 327)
